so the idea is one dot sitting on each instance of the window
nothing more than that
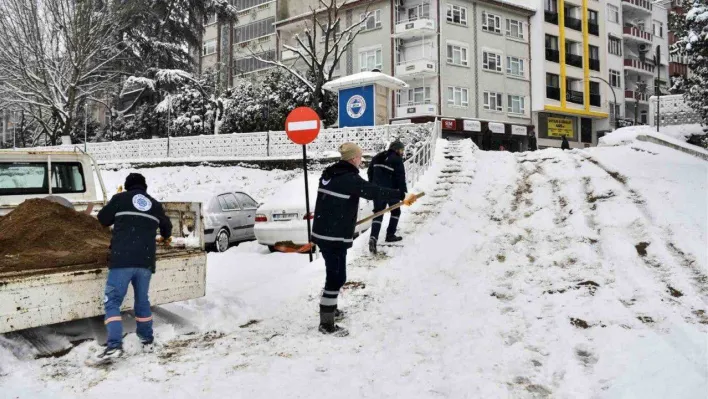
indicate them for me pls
(551, 6)
(246, 201)
(246, 4)
(516, 105)
(491, 22)
(594, 52)
(254, 30)
(23, 179)
(419, 12)
(419, 95)
(333, 35)
(594, 87)
(614, 46)
(552, 80)
(615, 78)
(493, 101)
(228, 203)
(67, 178)
(658, 29)
(457, 96)
(515, 29)
(250, 64)
(592, 16)
(515, 66)
(373, 22)
(210, 19)
(209, 47)
(552, 42)
(457, 55)
(615, 112)
(491, 62)
(370, 60)
(456, 14)
(613, 14)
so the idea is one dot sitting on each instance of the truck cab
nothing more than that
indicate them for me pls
(65, 176)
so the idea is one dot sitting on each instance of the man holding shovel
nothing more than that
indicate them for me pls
(340, 188)
(387, 170)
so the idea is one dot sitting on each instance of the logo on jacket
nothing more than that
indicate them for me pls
(141, 203)
(356, 106)
(326, 182)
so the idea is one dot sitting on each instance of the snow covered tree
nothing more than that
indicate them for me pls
(692, 33)
(321, 43)
(54, 55)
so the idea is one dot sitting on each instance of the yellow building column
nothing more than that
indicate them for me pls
(586, 57)
(561, 50)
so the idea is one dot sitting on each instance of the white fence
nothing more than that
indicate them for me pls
(423, 156)
(673, 110)
(245, 146)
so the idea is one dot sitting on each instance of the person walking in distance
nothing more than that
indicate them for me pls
(387, 170)
(135, 217)
(564, 144)
(486, 139)
(532, 139)
(336, 208)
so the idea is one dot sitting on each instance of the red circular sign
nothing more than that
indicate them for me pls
(302, 125)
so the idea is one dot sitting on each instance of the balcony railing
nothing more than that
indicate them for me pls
(637, 64)
(573, 23)
(573, 96)
(552, 55)
(595, 64)
(635, 95)
(645, 4)
(595, 100)
(553, 93)
(574, 60)
(594, 28)
(636, 32)
(551, 17)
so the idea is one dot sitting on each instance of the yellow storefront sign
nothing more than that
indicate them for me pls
(558, 127)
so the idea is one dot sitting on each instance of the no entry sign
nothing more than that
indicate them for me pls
(302, 125)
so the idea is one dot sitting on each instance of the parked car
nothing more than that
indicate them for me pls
(229, 218)
(283, 217)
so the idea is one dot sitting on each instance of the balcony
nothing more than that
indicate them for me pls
(574, 23)
(551, 17)
(636, 34)
(643, 5)
(638, 66)
(416, 68)
(595, 64)
(553, 93)
(409, 110)
(594, 28)
(574, 60)
(573, 96)
(414, 28)
(631, 95)
(595, 100)
(552, 55)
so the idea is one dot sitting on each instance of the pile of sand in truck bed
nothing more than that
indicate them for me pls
(41, 234)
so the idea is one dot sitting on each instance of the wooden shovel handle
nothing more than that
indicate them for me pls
(389, 209)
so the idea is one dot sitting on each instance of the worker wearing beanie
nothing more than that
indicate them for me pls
(135, 217)
(340, 188)
(386, 169)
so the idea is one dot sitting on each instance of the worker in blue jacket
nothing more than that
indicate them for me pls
(135, 217)
(387, 170)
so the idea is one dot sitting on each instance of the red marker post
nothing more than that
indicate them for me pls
(302, 126)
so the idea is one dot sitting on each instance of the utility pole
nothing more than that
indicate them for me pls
(85, 124)
(14, 130)
(657, 86)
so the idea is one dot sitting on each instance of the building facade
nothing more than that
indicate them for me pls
(466, 62)
(678, 64)
(598, 69)
(234, 48)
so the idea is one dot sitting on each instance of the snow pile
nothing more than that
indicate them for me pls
(675, 134)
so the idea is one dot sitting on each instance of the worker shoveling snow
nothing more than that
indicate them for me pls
(39, 229)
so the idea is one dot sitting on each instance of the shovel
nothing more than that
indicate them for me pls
(290, 247)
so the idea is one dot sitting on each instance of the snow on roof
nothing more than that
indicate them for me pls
(364, 78)
(525, 4)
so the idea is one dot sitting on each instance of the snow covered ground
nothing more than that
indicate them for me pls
(565, 274)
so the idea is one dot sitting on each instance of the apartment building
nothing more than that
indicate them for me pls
(598, 66)
(466, 62)
(678, 64)
(230, 48)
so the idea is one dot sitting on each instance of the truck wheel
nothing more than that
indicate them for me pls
(222, 240)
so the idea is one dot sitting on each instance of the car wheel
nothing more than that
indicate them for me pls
(222, 240)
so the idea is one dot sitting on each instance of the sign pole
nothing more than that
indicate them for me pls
(307, 199)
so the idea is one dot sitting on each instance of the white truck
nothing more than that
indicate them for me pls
(51, 295)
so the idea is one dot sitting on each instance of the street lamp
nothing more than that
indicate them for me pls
(14, 130)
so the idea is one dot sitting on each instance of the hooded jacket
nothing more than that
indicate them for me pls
(387, 170)
(337, 205)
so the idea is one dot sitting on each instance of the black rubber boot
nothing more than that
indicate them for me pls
(393, 238)
(327, 325)
(372, 246)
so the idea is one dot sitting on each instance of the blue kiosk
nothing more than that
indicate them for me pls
(364, 98)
